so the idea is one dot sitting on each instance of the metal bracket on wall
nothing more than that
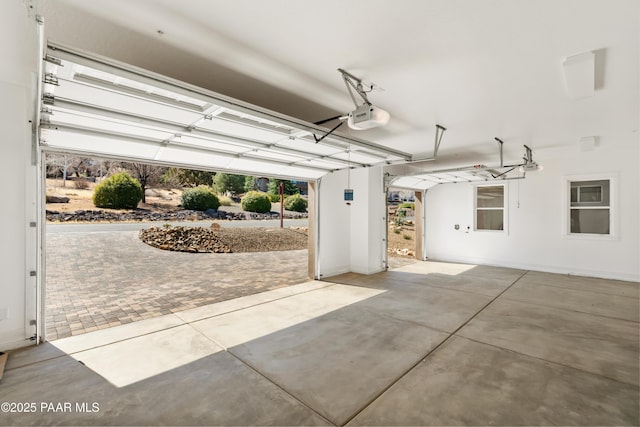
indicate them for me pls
(388, 180)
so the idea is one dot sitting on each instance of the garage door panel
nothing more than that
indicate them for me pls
(119, 110)
(98, 145)
(123, 102)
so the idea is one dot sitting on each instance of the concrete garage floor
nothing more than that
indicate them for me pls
(425, 344)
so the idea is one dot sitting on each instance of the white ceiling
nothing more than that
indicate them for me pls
(480, 68)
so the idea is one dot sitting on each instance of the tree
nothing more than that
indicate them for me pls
(190, 178)
(250, 183)
(83, 166)
(224, 182)
(65, 166)
(289, 187)
(58, 165)
(146, 174)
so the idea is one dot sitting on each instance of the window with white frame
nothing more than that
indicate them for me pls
(590, 207)
(490, 207)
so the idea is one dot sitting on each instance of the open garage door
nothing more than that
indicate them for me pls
(95, 106)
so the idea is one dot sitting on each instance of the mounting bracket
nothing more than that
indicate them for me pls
(354, 83)
(500, 146)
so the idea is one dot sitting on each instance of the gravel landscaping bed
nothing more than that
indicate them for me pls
(200, 239)
(138, 215)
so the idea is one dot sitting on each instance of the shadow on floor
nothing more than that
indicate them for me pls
(434, 345)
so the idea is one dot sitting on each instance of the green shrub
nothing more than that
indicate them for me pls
(119, 191)
(406, 237)
(275, 198)
(255, 201)
(407, 205)
(401, 216)
(199, 199)
(295, 203)
(225, 201)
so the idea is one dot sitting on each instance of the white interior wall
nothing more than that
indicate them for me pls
(367, 221)
(18, 35)
(535, 238)
(333, 225)
(351, 236)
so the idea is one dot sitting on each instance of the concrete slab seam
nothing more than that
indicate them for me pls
(190, 323)
(455, 290)
(34, 363)
(127, 339)
(589, 290)
(251, 367)
(252, 305)
(547, 361)
(569, 309)
(398, 319)
(195, 328)
(432, 285)
(430, 352)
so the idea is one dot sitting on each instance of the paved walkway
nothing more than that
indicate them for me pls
(98, 280)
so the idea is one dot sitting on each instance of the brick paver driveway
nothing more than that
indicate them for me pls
(97, 280)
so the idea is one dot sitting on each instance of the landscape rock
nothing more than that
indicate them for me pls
(404, 252)
(184, 239)
(220, 240)
(135, 215)
(57, 199)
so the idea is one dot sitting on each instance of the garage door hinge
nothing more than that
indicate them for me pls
(33, 337)
(32, 322)
(53, 60)
(48, 99)
(51, 79)
(33, 273)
